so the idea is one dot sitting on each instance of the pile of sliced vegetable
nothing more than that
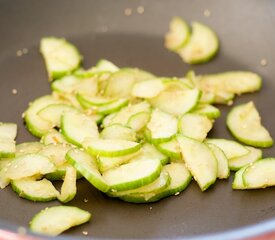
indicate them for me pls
(131, 134)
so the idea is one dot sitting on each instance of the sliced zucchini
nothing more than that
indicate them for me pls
(68, 189)
(239, 162)
(53, 112)
(260, 174)
(95, 101)
(126, 77)
(200, 161)
(234, 82)
(86, 165)
(35, 124)
(56, 153)
(118, 131)
(207, 110)
(148, 89)
(176, 102)
(53, 137)
(104, 65)
(138, 121)
(132, 175)
(35, 190)
(238, 179)
(230, 148)
(180, 178)
(106, 163)
(244, 122)
(108, 108)
(110, 147)
(28, 147)
(195, 126)
(156, 186)
(178, 34)
(124, 115)
(55, 220)
(202, 46)
(75, 85)
(149, 151)
(170, 148)
(76, 127)
(223, 168)
(162, 126)
(7, 148)
(8, 131)
(61, 57)
(25, 166)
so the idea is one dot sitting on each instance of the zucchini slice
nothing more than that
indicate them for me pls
(238, 183)
(199, 160)
(53, 112)
(28, 147)
(118, 131)
(207, 110)
(202, 46)
(132, 175)
(86, 165)
(61, 57)
(148, 89)
(110, 147)
(53, 137)
(8, 131)
(162, 127)
(35, 190)
(178, 34)
(35, 124)
(195, 126)
(180, 179)
(176, 102)
(223, 168)
(234, 82)
(260, 174)
(68, 189)
(7, 148)
(76, 127)
(25, 166)
(170, 148)
(230, 148)
(239, 162)
(74, 85)
(55, 220)
(244, 122)
(139, 120)
(156, 186)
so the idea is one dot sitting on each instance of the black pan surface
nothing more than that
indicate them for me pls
(100, 29)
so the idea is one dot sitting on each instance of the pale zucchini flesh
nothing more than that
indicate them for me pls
(87, 166)
(132, 175)
(35, 190)
(244, 122)
(195, 126)
(199, 160)
(55, 220)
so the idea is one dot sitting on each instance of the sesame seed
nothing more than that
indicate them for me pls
(263, 62)
(207, 13)
(25, 50)
(128, 12)
(140, 9)
(150, 208)
(14, 91)
(85, 200)
(177, 193)
(19, 53)
(85, 233)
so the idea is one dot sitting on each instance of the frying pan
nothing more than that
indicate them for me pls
(100, 29)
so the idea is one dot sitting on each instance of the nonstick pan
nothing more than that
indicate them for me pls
(101, 29)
